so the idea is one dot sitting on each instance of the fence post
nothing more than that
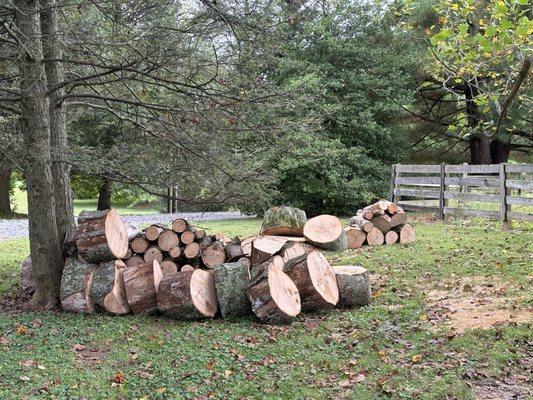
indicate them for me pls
(175, 195)
(392, 184)
(442, 201)
(169, 200)
(504, 207)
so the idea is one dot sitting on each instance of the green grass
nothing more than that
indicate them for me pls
(20, 205)
(362, 353)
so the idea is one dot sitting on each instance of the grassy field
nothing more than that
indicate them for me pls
(20, 205)
(403, 346)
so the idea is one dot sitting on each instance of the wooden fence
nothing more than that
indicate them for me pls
(466, 190)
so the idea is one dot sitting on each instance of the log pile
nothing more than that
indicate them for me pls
(182, 272)
(382, 222)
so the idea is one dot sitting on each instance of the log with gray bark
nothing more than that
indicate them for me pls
(326, 231)
(362, 223)
(101, 236)
(354, 285)
(399, 218)
(188, 295)
(382, 222)
(283, 220)
(76, 284)
(234, 250)
(231, 281)
(107, 289)
(141, 284)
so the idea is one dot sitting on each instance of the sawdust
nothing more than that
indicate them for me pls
(475, 303)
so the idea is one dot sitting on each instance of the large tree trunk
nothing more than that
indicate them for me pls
(480, 150)
(499, 150)
(104, 197)
(5, 205)
(45, 247)
(58, 132)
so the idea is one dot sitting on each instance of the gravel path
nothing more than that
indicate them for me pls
(17, 228)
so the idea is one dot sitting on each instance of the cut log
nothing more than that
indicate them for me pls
(101, 236)
(199, 233)
(400, 218)
(213, 254)
(234, 250)
(273, 262)
(375, 237)
(283, 220)
(107, 291)
(129, 254)
(175, 252)
(132, 231)
(356, 237)
(273, 296)
(378, 208)
(168, 267)
(187, 237)
(315, 280)
(231, 281)
(141, 284)
(76, 283)
(382, 222)
(293, 250)
(407, 233)
(152, 232)
(167, 240)
(192, 251)
(134, 260)
(179, 225)
(139, 245)
(187, 267)
(188, 295)
(368, 215)
(205, 241)
(246, 245)
(27, 281)
(326, 231)
(264, 247)
(153, 253)
(365, 225)
(354, 285)
(392, 209)
(391, 237)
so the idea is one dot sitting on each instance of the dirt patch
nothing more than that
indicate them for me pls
(475, 303)
(89, 356)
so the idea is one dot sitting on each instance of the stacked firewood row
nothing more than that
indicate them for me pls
(380, 223)
(273, 275)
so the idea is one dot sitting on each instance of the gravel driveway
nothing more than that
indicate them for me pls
(16, 228)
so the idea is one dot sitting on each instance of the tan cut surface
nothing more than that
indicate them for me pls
(323, 277)
(284, 292)
(323, 229)
(117, 237)
(203, 293)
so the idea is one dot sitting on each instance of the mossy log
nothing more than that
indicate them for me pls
(283, 220)
(76, 283)
(107, 289)
(354, 285)
(231, 281)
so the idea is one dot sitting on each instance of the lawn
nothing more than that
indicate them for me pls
(20, 205)
(400, 347)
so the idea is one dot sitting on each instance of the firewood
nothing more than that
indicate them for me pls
(76, 282)
(205, 241)
(356, 237)
(222, 238)
(153, 253)
(382, 222)
(134, 260)
(354, 285)
(101, 236)
(274, 262)
(368, 215)
(274, 296)
(132, 231)
(407, 233)
(153, 231)
(213, 254)
(264, 247)
(315, 280)
(378, 208)
(231, 281)
(365, 225)
(199, 233)
(400, 218)
(391, 237)
(192, 251)
(234, 250)
(188, 295)
(326, 231)
(140, 244)
(107, 291)
(179, 225)
(187, 267)
(246, 245)
(187, 237)
(392, 209)
(175, 252)
(142, 283)
(167, 240)
(375, 237)
(283, 220)
(129, 253)
(168, 267)
(292, 250)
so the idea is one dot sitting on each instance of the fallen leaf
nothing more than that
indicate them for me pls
(24, 378)
(118, 378)
(416, 358)
(21, 330)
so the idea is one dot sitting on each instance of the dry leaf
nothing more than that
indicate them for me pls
(21, 330)
(417, 358)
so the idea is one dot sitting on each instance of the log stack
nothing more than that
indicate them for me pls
(382, 222)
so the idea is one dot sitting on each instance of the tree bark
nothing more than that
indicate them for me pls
(55, 75)
(45, 247)
(104, 196)
(499, 150)
(5, 204)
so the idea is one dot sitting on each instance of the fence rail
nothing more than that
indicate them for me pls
(486, 191)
